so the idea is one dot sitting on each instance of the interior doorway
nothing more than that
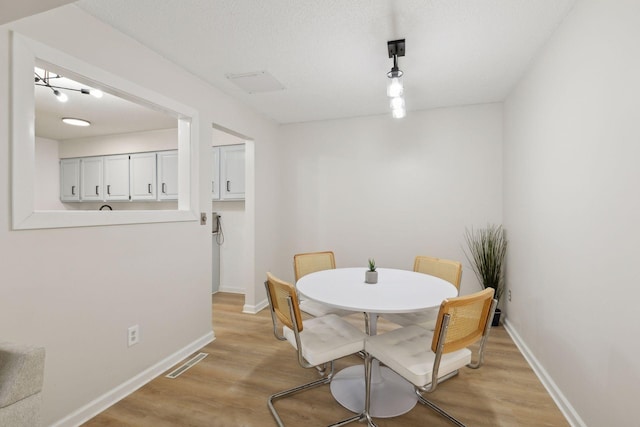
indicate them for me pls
(231, 239)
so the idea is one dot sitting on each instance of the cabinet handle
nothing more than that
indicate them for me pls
(149, 187)
(109, 189)
(228, 182)
(213, 186)
(97, 193)
(164, 188)
(73, 190)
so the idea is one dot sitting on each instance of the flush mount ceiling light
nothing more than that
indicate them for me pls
(76, 122)
(44, 77)
(395, 88)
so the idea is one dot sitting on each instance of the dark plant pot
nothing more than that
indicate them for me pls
(496, 317)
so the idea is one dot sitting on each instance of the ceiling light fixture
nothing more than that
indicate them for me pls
(62, 97)
(395, 87)
(96, 93)
(76, 122)
(45, 80)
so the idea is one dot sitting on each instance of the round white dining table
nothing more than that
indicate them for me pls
(397, 291)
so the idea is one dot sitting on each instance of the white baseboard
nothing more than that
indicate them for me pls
(254, 309)
(565, 406)
(98, 405)
(231, 290)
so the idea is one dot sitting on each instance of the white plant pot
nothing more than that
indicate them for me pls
(371, 277)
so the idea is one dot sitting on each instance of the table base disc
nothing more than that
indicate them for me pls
(391, 395)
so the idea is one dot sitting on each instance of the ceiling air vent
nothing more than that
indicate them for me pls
(256, 82)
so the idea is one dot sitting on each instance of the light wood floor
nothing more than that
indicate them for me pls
(246, 364)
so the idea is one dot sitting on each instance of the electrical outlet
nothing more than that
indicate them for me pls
(133, 335)
(509, 295)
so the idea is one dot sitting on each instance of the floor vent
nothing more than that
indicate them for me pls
(188, 364)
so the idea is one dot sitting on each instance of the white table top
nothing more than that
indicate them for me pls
(397, 291)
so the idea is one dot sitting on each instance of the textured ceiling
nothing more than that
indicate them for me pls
(330, 55)
(10, 10)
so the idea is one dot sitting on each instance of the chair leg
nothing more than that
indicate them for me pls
(289, 392)
(367, 390)
(307, 386)
(367, 384)
(438, 409)
(364, 415)
(357, 417)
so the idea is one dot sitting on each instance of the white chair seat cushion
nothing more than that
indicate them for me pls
(327, 338)
(415, 318)
(408, 352)
(317, 309)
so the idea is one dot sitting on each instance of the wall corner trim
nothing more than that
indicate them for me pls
(98, 405)
(569, 412)
(255, 309)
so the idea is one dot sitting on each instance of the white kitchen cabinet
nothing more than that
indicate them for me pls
(122, 177)
(215, 174)
(116, 177)
(142, 175)
(70, 180)
(167, 175)
(232, 168)
(91, 179)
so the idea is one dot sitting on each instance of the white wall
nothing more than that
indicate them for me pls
(390, 189)
(572, 206)
(76, 290)
(47, 182)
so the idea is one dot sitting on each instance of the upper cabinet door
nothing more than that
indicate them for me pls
(168, 175)
(116, 177)
(215, 174)
(142, 175)
(70, 180)
(232, 172)
(91, 175)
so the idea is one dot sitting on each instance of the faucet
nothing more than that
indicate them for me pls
(105, 206)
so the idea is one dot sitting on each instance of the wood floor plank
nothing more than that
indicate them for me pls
(246, 364)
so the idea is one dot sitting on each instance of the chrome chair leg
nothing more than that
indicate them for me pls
(367, 384)
(367, 390)
(289, 392)
(364, 415)
(438, 409)
(359, 417)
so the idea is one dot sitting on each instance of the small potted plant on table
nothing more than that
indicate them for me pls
(371, 275)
